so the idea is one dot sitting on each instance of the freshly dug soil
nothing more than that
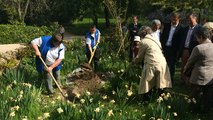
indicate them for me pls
(81, 80)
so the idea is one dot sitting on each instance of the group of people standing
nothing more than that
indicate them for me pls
(158, 48)
(161, 48)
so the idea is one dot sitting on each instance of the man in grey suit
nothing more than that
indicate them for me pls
(188, 42)
(200, 64)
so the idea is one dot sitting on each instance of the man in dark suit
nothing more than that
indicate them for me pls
(188, 42)
(133, 31)
(170, 41)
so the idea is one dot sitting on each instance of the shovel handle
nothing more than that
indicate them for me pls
(92, 54)
(52, 76)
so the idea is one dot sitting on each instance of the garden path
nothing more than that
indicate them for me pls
(10, 47)
(13, 47)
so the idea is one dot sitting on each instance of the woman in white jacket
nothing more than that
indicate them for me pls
(155, 73)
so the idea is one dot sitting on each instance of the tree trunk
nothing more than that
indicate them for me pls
(106, 12)
(25, 11)
(95, 18)
(19, 9)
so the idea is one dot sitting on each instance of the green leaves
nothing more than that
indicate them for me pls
(21, 33)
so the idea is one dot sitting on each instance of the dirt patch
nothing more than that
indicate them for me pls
(81, 80)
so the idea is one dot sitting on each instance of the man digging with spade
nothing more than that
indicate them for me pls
(92, 41)
(49, 49)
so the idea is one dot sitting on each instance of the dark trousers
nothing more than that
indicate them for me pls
(184, 58)
(62, 34)
(203, 96)
(170, 55)
(131, 51)
(95, 58)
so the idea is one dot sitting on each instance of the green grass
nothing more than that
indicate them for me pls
(81, 27)
(112, 103)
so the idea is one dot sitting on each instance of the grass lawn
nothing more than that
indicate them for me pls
(82, 27)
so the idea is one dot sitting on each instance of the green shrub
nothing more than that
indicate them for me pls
(22, 33)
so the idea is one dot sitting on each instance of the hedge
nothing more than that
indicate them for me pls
(21, 33)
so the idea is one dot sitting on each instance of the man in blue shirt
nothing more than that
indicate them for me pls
(52, 51)
(93, 38)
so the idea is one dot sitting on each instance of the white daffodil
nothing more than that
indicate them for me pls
(159, 119)
(165, 97)
(15, 82)
(40, 118)
(104, 97)
(175, 114)
(169, 107)
(88, 93)
(152, 118)
(129, 93)
(82, 101)
(110, 113)
(12, 114)
(53, 102)
(168, 95)
(189, 101)
(160, 99)
(194, 100)
(25, 118)
(91, 100)
(80, 111)
(97, 110)
(112, 101)
(77, 95)
(113, 92)
(46, 115)
(27, 85)
(102, 105)
(21, 92)
(74, 105)
(16, 107)
(163, 94)
(60, 110)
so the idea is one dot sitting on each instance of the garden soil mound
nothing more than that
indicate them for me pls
(83, 79)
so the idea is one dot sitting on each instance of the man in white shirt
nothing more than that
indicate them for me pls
(170, 41)
(156, 24)
(92, 39)
(52, 50)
